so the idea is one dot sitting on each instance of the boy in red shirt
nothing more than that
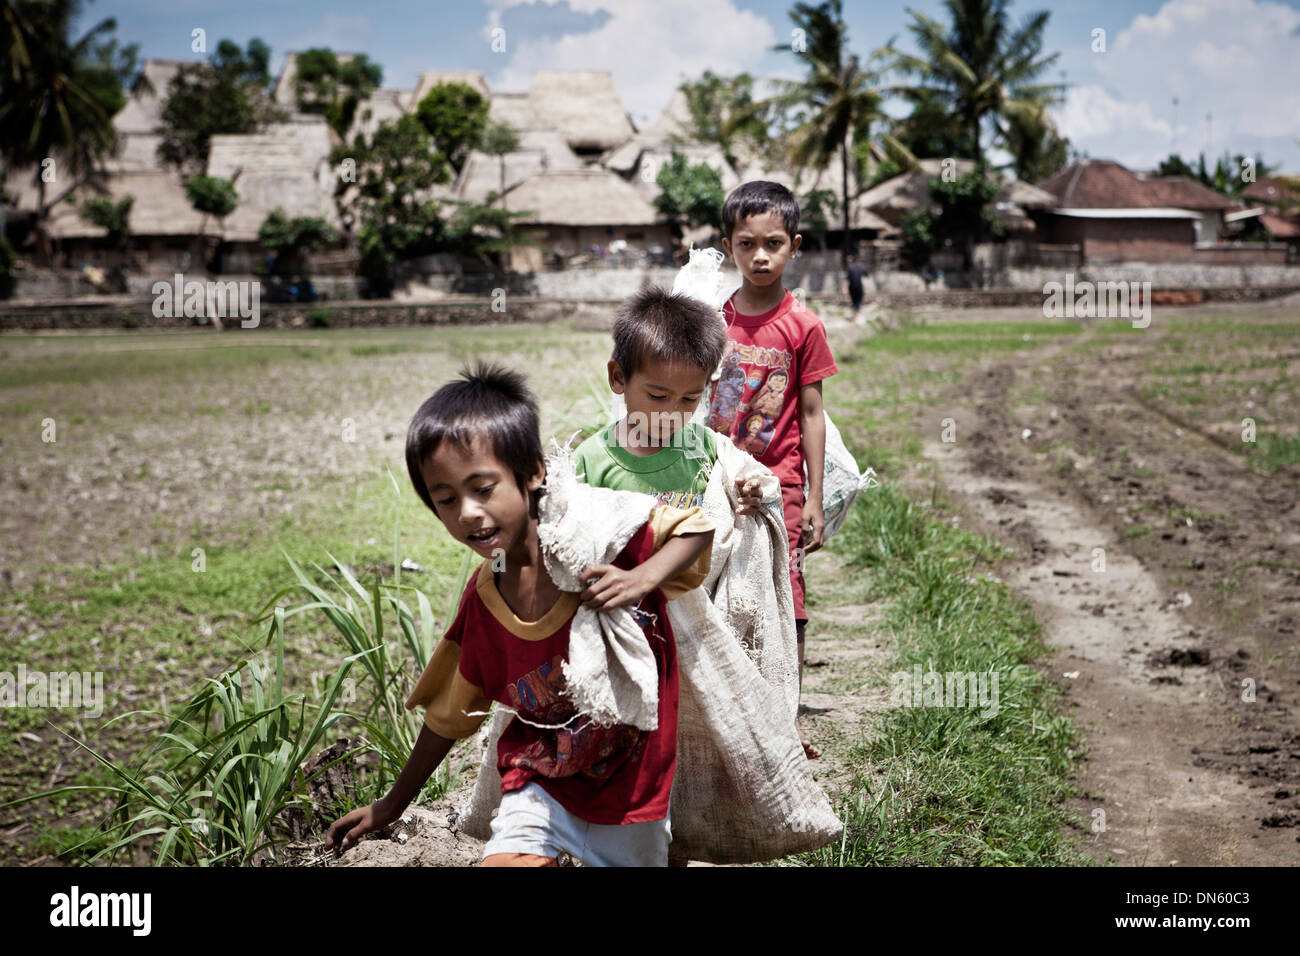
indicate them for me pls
(599, 793)
(768, 398)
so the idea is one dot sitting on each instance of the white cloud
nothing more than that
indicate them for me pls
(1235, 60)
(648, 45)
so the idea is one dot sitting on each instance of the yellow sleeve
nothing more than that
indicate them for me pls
(669, 522)
(448, 698)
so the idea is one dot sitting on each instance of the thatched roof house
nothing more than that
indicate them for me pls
(583, 105)
(143, 110)
(651, 148)
(540, 151)
(909, 191)
(286, 167)
(571, 211)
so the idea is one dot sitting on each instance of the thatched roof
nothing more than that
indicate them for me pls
(286, 167)
(160, 208)
(514, 110)
(583, 105)
(651, 160)
(143, 111)
(581, 197)
(431, 78)
(540, 151)
(909, 191)
(384, 106)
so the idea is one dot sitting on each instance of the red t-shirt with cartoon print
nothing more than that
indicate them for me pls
(755, 400)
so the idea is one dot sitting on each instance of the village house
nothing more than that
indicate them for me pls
(1115, 215)
(1272, 213)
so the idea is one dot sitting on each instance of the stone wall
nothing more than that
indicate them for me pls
(119, 312)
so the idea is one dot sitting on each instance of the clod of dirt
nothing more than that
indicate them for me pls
(1181, 657)
(1166, 679)
(423, 837)
(330, 784)
(1002, 496)
(1281, 820)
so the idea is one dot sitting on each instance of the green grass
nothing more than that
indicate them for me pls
(943, 785)
(931, 785)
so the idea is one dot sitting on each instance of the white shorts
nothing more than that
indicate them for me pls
(530, 820)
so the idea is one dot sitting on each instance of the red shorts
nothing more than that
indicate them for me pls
(792, 500)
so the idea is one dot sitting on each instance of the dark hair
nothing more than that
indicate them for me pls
(756, 197)
(662, 326)
(489, 402)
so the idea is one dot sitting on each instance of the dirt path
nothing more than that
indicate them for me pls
(1152, 648)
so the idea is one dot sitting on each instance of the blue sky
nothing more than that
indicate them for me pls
(1233, 65)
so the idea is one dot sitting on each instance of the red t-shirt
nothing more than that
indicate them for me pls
(603, 775)
(755, 401)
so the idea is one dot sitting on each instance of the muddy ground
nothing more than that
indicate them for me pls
(1180, 653)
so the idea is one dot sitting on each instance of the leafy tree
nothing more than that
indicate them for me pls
(965, 216)
(333, 89)
(689, 195)
(113, 217)
(981, 68)
(928, 132)
(724, 111)
(498, 140)
(289, 238)
(455, 115)
(7, 262)
(1037, 149)
(58, 96)
(1225, 178)
(885, 170)
(228, 94)
(817, 207)
(839, 99)
(484, 231)
(397, 169)
(211, 196)
(917, 229)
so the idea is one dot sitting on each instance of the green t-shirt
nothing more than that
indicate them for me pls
(676, 475)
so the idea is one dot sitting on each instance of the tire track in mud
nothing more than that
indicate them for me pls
(1180, 769)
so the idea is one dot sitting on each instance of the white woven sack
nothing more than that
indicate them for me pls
(743, 790)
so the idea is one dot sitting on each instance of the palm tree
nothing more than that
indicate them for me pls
(979, 68)
(57, 100)
(837, 102)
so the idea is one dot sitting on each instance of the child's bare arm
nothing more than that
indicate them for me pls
(812, 430)
(430, 750)
(609, 587)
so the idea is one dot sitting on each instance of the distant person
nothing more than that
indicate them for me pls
(855, 272)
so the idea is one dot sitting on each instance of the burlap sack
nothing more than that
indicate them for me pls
(743, 790)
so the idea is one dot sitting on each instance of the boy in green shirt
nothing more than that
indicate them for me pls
(666, 347)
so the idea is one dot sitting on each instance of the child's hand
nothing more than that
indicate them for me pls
(609, 587)
(814, 526)
(749, 491)
(348, 830)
